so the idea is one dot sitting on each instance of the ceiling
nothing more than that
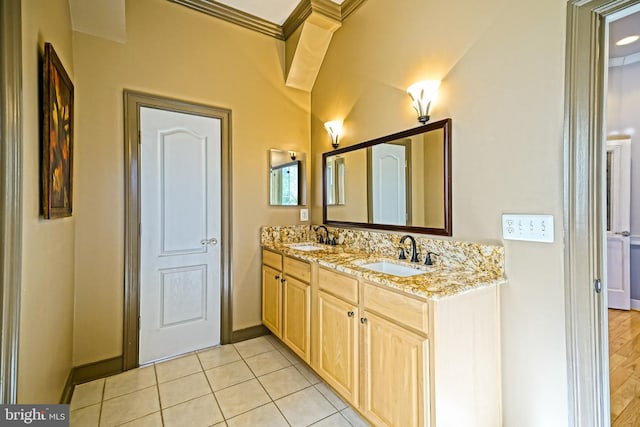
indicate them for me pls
(623, 27)
(275, 18)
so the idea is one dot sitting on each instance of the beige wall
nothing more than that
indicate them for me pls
(501, 65)
(179, 53)
(46, 312)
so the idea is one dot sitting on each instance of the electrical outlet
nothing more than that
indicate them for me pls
(304, 214)
(531, 228)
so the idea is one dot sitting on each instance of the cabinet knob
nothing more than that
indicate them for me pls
(363, 320)
(350, 314)
(283, 280)
(277, 277)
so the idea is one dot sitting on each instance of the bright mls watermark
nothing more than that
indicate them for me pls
(34, 415)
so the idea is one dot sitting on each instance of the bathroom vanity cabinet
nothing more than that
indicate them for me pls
(335, 333)
(398, 358)
(362, 330)
(286, 301)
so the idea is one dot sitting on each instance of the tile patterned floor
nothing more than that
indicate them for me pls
(256, 383)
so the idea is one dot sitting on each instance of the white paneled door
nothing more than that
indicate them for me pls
(389, 184)
(618, 223)
(180, 224)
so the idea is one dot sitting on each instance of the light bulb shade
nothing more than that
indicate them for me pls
(334, 128)
(422, 96)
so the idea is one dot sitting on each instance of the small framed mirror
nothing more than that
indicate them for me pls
(287, 178)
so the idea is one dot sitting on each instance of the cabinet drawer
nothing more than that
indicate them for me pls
(403, 309)
(339, 285)
(272, 259)
(299, 269)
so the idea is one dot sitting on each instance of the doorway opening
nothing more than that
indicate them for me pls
(585, 208)
(134, 103)
(622, 197)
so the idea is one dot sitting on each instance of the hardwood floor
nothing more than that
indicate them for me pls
(624, 367)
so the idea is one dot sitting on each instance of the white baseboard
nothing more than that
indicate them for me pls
(635, 304)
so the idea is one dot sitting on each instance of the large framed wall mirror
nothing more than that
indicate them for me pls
(397, 182)
(287, 183)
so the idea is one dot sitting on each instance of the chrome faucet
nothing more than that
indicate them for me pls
(414, 248)
(320, 238)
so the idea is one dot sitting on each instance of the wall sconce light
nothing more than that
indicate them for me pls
(334, 128)
(422, 95)
(292, 154)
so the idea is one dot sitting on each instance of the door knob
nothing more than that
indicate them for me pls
(624, 233)
(213, 241)
(203, 242)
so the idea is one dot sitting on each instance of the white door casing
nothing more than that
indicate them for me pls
(180, 215)
(389, 184)
(618, 223)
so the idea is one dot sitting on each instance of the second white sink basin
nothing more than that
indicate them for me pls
(305, 247)
(393, 268)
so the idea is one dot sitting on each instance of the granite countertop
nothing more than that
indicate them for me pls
(437, 282)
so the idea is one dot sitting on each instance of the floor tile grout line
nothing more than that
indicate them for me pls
(128, 393)
(104, 386)
(329, 416)
(206, 377)
(265, 390)
(266, 373)
(258, 407)
(303, 389)
(182, 376)
(285, 395)
(222, 364)
(330, 402)
(261, 352)
(155, 374)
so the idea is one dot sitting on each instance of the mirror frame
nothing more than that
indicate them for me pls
(446, 230)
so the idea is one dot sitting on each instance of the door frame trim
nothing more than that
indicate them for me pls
(584, 237)
(11, 169)
(132, 103)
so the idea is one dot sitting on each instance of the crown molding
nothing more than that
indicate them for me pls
(349, 6)
(234, 16)
(297, 18)
(304, 9)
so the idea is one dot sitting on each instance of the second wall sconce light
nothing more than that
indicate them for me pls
(422, 95)
(334, 128)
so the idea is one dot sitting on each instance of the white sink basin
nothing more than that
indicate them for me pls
(305, 247)
(393, 269)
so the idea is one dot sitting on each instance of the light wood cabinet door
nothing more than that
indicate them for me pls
(337, 345)
(395, 365)
(271, 299)
(296, 332)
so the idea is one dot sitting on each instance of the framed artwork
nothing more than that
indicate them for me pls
(57, 135)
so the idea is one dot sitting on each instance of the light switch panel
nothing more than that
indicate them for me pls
(531, 228)
(304, 214)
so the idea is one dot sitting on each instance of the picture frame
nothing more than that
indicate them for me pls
(57, 137)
